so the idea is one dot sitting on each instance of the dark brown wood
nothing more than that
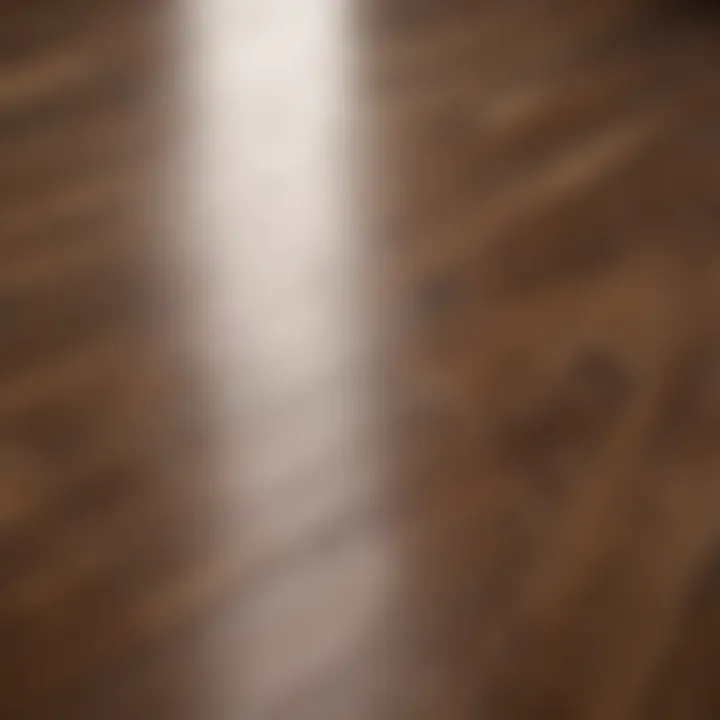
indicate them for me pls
(359, 361)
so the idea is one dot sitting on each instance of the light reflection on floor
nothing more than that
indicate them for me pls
(287, 328)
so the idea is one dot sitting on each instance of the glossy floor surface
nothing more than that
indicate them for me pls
(359, 361)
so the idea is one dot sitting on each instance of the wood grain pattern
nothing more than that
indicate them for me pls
(359, 360)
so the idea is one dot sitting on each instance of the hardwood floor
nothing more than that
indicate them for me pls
(359, 360)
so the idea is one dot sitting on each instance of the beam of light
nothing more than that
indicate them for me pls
(286, 329)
